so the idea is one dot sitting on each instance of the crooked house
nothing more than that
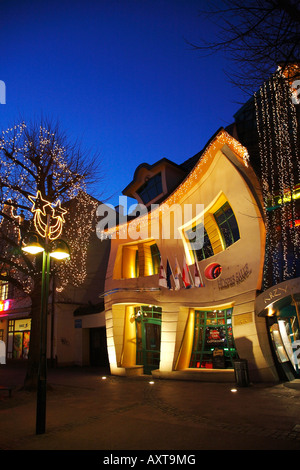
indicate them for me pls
(176, 310)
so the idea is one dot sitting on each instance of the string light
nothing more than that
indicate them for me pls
(194, 176)
(23, 155)
(80, 222)
(279, 156)
(12, 265)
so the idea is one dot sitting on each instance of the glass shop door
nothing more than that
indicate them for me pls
(285, 339)
(148, 335)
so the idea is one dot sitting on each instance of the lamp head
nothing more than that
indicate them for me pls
(33, 245)
(61, 250)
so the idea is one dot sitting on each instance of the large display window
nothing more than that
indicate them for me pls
(213, 345)
(18, 338)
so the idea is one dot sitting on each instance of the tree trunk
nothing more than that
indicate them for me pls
(30, 382)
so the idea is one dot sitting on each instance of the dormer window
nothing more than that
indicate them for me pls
(151, 188)
(152, 183)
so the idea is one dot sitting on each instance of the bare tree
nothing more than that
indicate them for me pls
(38, 157)
(258, 35)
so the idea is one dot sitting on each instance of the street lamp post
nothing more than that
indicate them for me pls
(49, 229)
(42, 371)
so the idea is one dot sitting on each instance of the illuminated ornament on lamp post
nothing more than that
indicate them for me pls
(48, 220)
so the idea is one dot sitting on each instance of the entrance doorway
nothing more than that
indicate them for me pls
(213, 345)
(148, 334)
(284, 334)
(98, 347)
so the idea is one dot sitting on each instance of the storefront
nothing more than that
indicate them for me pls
(15, 327)
(213, 345)
(18, 338)
(284, 334)
(280, 306)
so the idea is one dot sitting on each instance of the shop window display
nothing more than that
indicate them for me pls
(18, 339)
(213, 345)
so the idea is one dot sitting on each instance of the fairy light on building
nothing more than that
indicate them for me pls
(279, 156)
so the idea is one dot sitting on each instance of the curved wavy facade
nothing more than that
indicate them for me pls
(203, 327)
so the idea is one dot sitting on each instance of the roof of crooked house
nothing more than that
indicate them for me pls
(185, 167)
(190, 165)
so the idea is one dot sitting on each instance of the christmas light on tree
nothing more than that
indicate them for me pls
(40, 171)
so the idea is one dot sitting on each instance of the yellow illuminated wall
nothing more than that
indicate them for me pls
(187, 343)
(129, 344)
(125, 263)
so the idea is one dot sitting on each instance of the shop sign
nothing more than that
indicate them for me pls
(214, 335)
(23, 325)
(4, 305)
(237, 278)
(275, 293)
(242, 319)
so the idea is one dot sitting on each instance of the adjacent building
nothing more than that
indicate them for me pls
(76, 332)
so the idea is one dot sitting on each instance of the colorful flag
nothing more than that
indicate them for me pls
(177, 273)
(185, 275)
(198, 278)
(162, 281)
(169, 274)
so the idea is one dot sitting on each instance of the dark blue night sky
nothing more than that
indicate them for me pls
(119, 76)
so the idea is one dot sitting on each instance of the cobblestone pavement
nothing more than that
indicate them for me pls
(88, 412)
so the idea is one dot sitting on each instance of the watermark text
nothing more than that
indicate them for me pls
(160, 222)
(2, 92)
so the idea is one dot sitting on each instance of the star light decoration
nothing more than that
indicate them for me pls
(48, 220)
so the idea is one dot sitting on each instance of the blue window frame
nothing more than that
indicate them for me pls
(151, 189)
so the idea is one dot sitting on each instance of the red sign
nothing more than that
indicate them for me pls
(214, 335)
(4, 305)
